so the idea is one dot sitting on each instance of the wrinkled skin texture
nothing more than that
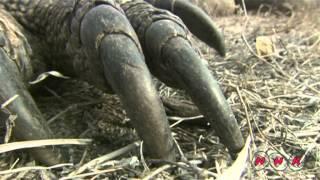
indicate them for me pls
(115, 46)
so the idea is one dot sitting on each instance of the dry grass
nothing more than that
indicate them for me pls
(276, 100)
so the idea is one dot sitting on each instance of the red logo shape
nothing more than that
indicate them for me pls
(296, 161)
(260, 160)
(277, 161)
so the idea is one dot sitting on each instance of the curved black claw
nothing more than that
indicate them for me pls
(106, 30)
(15, 71)
(29, 125)
(173, 60)
(198, 22)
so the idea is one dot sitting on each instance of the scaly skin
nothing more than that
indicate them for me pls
(104, 42)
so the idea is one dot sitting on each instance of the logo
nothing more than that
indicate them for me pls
(260, 160)
(296, 163)
(277, 161)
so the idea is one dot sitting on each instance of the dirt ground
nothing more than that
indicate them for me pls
(275, 97)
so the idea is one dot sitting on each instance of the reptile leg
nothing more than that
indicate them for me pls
(173, 60)
(103, 49)
(105, 30)
(15, 68)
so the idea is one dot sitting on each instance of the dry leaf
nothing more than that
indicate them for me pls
(264, 46)
(45, 75)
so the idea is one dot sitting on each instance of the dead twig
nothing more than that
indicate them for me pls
(38, 143)
(104, 158)
(11, 171)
